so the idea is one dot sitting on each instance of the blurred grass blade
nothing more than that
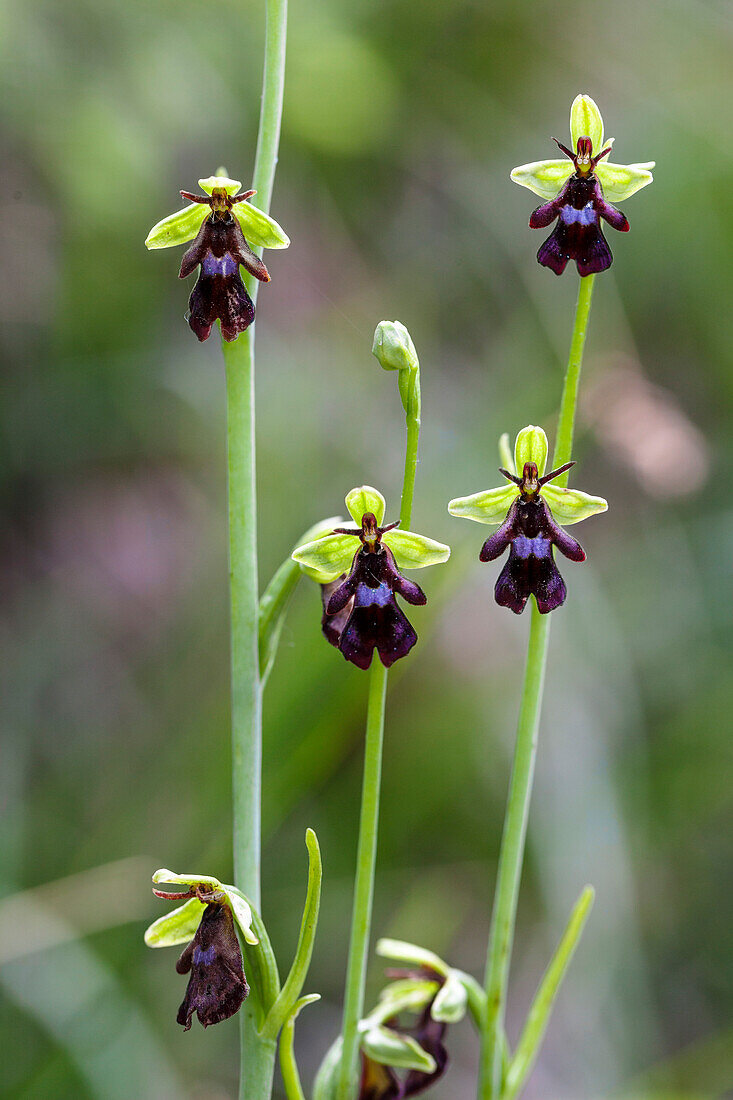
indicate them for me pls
(290, 991)
(539, 1014)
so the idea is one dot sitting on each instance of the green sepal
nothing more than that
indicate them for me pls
(530, 446)
(620, 181)
(393, 347)
(544, 177)
(326, 558)
(404, 952)
(365, 499)
(238, 904)
(403, 995)
(164, 875)
(413, 551)
(232, 187)
(451, 1000)
(390, 1048)
(490, 506)
(586, 121)
(177, 927)
(290, 992)
(570, 506)
(178, 228)
(259, 228)
(506, 458)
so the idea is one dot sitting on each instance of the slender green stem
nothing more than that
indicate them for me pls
(258, 1057)
(511, 856)
(366, 859)
(364, 888)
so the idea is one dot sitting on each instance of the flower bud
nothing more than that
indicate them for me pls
(393, 347)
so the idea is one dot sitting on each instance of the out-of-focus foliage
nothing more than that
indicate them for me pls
(402, 122)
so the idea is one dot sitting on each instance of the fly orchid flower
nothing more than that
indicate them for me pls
(206, 924)
(359, 568)
(580, 192)
(529, 511)
(225, 226)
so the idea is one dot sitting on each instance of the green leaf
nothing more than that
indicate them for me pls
(178, 926)
(490, 506)
(294, 983)
(276, 597)
(570, 506)
(164, 875)
(451, 1000)
(393, 346)
(177, 228)
(586, 121)
(365, 499)
(530, 446)
(402, 951)
(232, 187)
(392, 1049)
(539, 1014)
(506, 458)
(412, 551)
(327, 558)
(259, 228)
(620, 181)
(544, 177)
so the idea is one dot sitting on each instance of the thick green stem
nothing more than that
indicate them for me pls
(511, 856)
(366, 859)
(257, 1057)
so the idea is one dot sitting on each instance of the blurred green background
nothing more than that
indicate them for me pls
(402, 122)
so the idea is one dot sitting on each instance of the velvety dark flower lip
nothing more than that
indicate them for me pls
(578, 208)
(530, 528)
(226, 227)
(217, 987)
(359, 586)
(367, 595)
(219, 293)
(207, 923)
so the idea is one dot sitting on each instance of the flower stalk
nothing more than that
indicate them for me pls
(511, 855)
(406, 362)
(257, 1055)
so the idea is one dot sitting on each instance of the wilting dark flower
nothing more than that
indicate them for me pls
(217, 986)
(529, 527)
(225, 225)
(581, 194)
(206, 923)
(359, 589)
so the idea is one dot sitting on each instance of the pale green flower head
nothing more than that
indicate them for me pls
(527, 473)
(619, 181)
(393, 346)
(326, 558)
(449, 998)
(223, 194)
(180, 925)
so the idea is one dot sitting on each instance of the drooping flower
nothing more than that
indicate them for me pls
(206, 924)
(359, 569)
(530, 521)
(225, 225)
(580, 192)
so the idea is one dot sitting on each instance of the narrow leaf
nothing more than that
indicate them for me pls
(294, 983)
(539, 1014)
